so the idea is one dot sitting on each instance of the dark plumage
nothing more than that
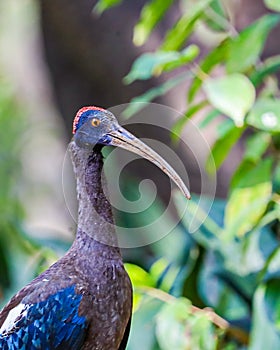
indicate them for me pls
(84, 300)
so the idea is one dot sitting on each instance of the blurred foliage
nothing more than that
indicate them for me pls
(219, 287)
(232, 263)
(21, 257)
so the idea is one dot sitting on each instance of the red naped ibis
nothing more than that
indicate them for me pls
(84, 300)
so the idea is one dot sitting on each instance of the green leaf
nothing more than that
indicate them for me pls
(256, 145)
(177, 36)
(222, 147)
(272, 300)
(233, 95)
(252, 257)
(143, 67)
(269, 66)
(265, 333)
(223, 293)
(248, 200)
(180, 123)
(243, 168)
(142, 335)
(150, 16)
(139, 278)
(139, 102)
(265, 115)
(273, 5)
(245, 49)
(224, 127)
(180, 59)
(276, 178)
(217, 11)
(272, 268)
(151, 64)
(213, 114)
(164, 273)
(196, 214)
(103, 5)
(215, 57)
(177, 328)
(171, 325)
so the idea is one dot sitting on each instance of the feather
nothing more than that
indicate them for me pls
(50, 324)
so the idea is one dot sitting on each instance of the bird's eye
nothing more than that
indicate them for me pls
(95, 122)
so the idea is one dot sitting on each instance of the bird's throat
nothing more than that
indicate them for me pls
(95, 215)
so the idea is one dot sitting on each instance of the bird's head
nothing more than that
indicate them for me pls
(97, 126)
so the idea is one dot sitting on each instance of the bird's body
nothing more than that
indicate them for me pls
(84, 300)
(70, 300)
(71, 309)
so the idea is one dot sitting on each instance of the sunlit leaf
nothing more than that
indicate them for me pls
(103, 5)
(150, 16)
(248, 200)
(178, 35)
(233, 95)
(143, 67)
(152, 64)
(245, 49)
(139, 278)
(216, 56)
(182, 58)
(273, 5)
(265, 115)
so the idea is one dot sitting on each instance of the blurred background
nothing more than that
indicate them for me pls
(216, 63)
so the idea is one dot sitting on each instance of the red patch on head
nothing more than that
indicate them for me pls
(80, 112)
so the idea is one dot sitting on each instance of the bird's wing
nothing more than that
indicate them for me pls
(125, 336)
(11, 305)
(51, 324)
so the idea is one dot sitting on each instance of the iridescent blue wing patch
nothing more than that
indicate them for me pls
(52, 324)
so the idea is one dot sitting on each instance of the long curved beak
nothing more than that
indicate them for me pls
(124, 139)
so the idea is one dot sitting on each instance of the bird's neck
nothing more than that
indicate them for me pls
(95, 217)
